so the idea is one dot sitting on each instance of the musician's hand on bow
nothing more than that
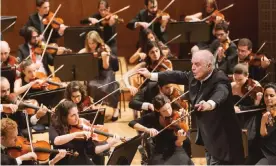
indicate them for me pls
(145, 25)
(237, 109)
(144, 72)
(93, 20)
(12, 107)
(181, 135)
(133, 90)
(152, 132)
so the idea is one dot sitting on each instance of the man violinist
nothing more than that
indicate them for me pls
(144, 17)
(246, 56)
(35, 20)
(168, 144)
(7, 60)
(224, 50)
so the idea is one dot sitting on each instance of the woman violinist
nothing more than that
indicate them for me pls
(168, 144)
(95, 45)
(268, 127)
(66, 116)
(76, 92)
(8, 140)
(155, 61)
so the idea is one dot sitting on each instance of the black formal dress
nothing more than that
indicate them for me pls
(268, 147)
(228, 63)
(145, 16)
(165, 151)
(35, 21)
(218, 130)
(24, 51)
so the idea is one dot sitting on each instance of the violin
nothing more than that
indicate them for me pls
(41, 148)
(214, 15)
(163, 64)
(177, 126)
(175, 94)
(106, 19)
(98, 132)
(222, 47)
(10, 62)
(51, 48)
(48, 83)
(249, 84)
(255, 59)
(161, 15)
(56, 21)
(86, 102)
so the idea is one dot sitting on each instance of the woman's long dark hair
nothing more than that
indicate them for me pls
(75, 86)
(149, 46)
(59, 118)
(270, 85)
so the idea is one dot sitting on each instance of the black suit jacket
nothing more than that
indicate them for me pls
(218, 130)
(35, 22)
(143, 16)
(24, 51)
(6, 159)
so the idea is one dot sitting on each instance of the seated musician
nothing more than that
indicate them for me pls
(7, 60)
(244, 103)
(28, 49)
(95, 45)
(154, 57)
(8, 140)
(224, 50)
(36, 20)
(245, 55)
(150, 36)
(168, 144)
(65, 117)
(76, 92)
(17, 114)
(268, 127)
(144, 17)
(109, 25)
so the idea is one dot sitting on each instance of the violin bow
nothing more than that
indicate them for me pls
(51, 20)
(29, 132)
(61, 101)
(55, 71)
(179, 97)
(262, 46)
(116, 81)
(227, 7)
(246, 94)
(46, 45)
(173, 39)
(252, 110)
(97, 113)
(112, 37)
(235, 40)
(152, 21)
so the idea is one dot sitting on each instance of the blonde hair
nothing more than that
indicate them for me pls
(7, 125)
(95, 37)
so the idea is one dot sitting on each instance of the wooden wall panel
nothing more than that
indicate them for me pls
(243, 17)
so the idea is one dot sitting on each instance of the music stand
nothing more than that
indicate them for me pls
(181, 64)
(123, 154)
(90, 115)
(74, 37)
(192, 32)
(10, 74)
(7, 22)
(81, 67)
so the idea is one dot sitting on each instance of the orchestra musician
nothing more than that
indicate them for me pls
(94, 44)
(168, 145)
(76, 92)
(66, 116)
(224, 50)
(29, 49)
(144, 17)
(248, 120)
(246, 56)
(36, 20)
(7, 60)
(109, 28)
(8, 139)
(268, 127)
(210, 93)
(154, 56)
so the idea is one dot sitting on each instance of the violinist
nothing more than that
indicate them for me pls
(245, 55)
(150, 36)
(8, 140)
(76, 92)
(7, 60)
(154, 56)
(29, 49)
(66, 116)
(109, 28)
(268, 127)
(94, 44)
(168, 144)
(248, 120)
(36, 20)
(224, 50)
(145, 16)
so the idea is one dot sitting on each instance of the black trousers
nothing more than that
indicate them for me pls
(211, 160)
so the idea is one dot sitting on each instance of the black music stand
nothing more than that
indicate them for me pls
(10, 74)
(90, 115)
(74, 37)
(181, 64)
(81, 67)
(191, 32)
(123, 154)
(7, 23)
